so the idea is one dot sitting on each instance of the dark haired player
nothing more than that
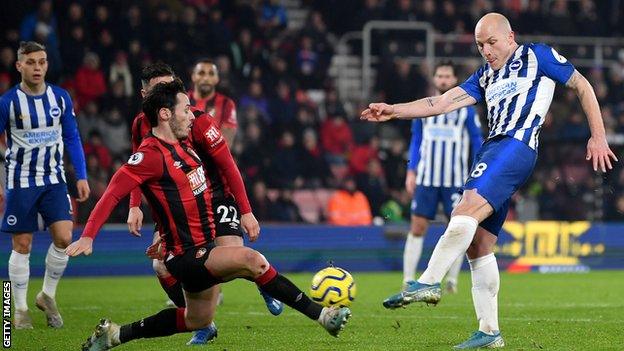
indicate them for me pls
(205, 97)
(229, 196)
(172, 177)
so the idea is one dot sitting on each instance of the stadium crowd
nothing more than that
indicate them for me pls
(289, 140)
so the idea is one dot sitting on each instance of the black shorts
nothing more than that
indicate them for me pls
(190, 270)
(227, 217)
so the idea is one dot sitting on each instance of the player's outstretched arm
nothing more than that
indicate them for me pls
(430, 106)
(598, 151)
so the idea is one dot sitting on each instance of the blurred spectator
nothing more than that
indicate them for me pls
(43, 21)
(115, 132)
(117, 99)
(5, 82)
(273, 17)
(88, 119)
(308, 65)
(120, 71)
(394, 164)
(373, 185)
(403, 83)
(285, 209)
(255, 97)
(260, 203)
(531, 21)
(349, 206)
(253, 160)
(103, 21)
(95, 146)
(333, 105)
(73, 49)
(336, 136)
(90, 83)
(7, 65)
(220, 34)
(285, 163)
(133, 26)
(560, 21)
(362, 154)
(283, 107)
(313, 167)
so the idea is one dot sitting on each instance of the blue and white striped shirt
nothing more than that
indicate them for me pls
(441, 145)
(38, 128)
(519, 94)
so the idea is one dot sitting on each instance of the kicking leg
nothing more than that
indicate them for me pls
(274, 306)
(471, 210)
(227, 263)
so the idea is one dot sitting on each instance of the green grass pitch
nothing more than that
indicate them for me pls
(537, 311)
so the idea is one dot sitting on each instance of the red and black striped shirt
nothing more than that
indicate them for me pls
(172, 178)
(221, 109)
(224, 178)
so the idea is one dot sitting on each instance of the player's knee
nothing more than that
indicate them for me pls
(159, 268)
(256, 262)
(418, 229)
(22, 244)
(62, 242)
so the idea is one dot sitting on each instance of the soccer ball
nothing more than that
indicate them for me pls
(333, 286)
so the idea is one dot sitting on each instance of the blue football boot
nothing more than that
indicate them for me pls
(273, 305)
(415, 292)
(481, 340)
(204, 336)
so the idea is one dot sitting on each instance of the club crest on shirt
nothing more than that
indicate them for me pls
(516, 65)
(55, 112)
(201, 252)
(135, 158)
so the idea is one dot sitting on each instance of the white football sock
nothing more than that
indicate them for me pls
(55, 262)
(411, 256)
(453, 273)
(19, 273)
(485, 284)
(454, 243)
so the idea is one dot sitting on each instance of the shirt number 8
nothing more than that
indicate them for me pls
(478, 171)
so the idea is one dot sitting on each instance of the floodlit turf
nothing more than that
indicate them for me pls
(550, 312)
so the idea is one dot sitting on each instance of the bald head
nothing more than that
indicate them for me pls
(495, 39)
(494, 22)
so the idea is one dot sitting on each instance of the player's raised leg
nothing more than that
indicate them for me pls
(485, 285)
(229, 263)
(197, 271)
(274, 306)
(19, 274)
